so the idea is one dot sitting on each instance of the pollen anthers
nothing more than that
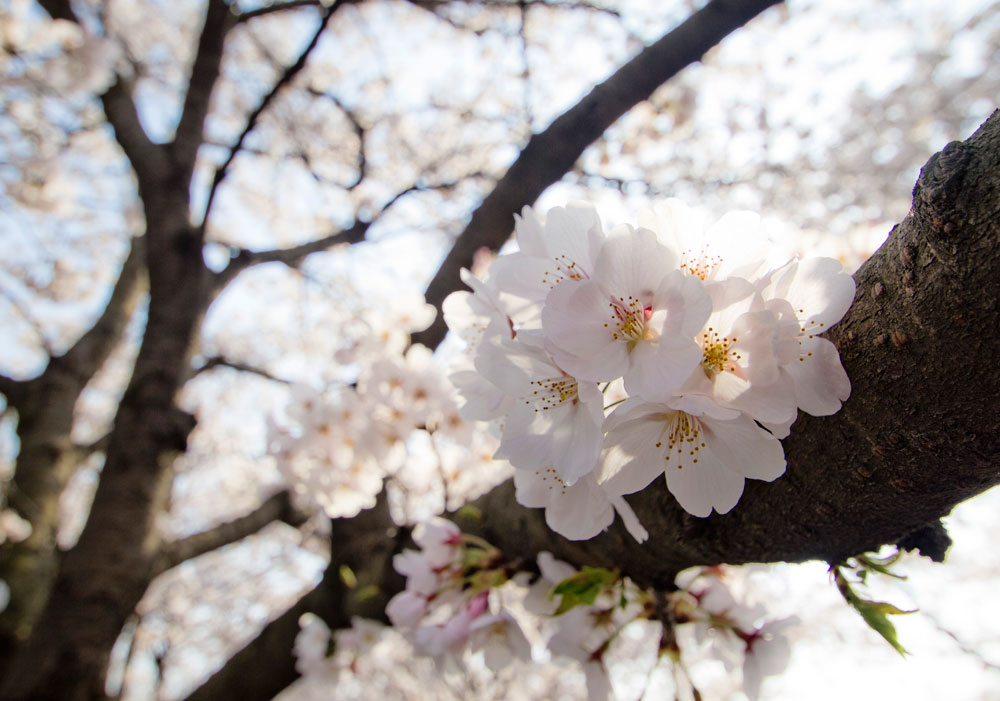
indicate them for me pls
(628, 319)
(719, 355)
(552, 392)
(807, 326)
(566, 269)
(701, 265)
(551, 479)
(682, 434)
(804, 329)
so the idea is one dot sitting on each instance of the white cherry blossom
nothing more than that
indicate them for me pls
(564, 247)
(768, 652)
(705, 450)
(733, 246)
(554, 419)
(635, 318)
(816, 293)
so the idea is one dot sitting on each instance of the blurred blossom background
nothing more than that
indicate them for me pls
(818, 115)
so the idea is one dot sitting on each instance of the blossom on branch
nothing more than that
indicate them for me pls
(716, 347)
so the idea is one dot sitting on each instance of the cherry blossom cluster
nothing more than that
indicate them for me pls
(463, 597)
(454, 597)
(398, 418)
(607, 359)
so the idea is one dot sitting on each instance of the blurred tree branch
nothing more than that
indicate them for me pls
(47, 458)
(286, 78)
(277, 507)
(365, 544)
(204, 73)
(549, 154)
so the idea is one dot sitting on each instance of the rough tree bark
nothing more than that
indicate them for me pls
(920, 433)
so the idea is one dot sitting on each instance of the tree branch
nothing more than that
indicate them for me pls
(59, 9)
(549, 154)
(286, 78)
(276, 7)
(204, 74)
(150, 161)
(277, 507)
(289, 256)
(220, 362)
(365, 544)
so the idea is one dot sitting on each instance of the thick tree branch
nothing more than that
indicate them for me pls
(59, 9)
(204, 73)
(549, 154)
(150, 161)
(365, 544)
(47, 458)
(277, 507)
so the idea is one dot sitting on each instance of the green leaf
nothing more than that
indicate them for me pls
(348, 577)
(876, 615)
(369, 591)
(582, 588)
(470, 512)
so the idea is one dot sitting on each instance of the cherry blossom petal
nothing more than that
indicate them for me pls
(821, 383)
(705, 485)
(577, 512)
(744, 448)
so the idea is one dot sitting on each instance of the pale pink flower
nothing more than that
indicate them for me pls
(733, 246)
(816, 293)
(636, 317)
(439, 540)
(312, 643)
(553, 420)
(705, 450)
(500, 638)
(767, 654)
(406, 609)
(562, 248)
(578, 511)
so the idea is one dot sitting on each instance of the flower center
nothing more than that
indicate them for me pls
(701, 265)
(682, 434)
(553, 392)
(628, 320)
(718, 354)
(566, 269)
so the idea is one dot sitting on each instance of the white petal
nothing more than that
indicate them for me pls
(529, 229)
(701, 486)
(821, 383)
(633, 262)
(631, 458)
(629, 519)
(745, 448)
(659, 369)
(575, 319)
